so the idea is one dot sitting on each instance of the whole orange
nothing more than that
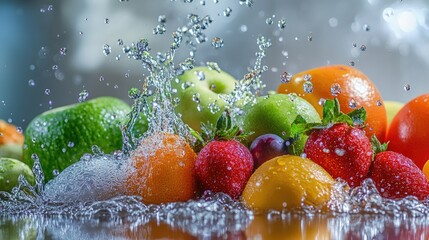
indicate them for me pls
(164, 170)
(409, 131)
(351, 87)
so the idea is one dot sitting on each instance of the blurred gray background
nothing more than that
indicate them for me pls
(53, 50)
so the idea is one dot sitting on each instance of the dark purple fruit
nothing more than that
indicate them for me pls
(266, 147)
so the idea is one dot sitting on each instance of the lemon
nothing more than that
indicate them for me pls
(62, 135)
(10, 169)
(285, 182)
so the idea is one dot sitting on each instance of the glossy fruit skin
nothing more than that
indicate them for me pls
(409, 130)
(275, 114)
(396, 176)
(285, 182)
(355, 86)
(10, 169)
(224, 166)
(11, 141)
(208, 91)
(164, 170)
(62, 135)
(266, 147)
(343, 151)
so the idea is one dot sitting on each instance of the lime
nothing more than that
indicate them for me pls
(285, 182)
(10, 169)
(62, 135)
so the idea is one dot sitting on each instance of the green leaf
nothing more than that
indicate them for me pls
(377, 146)
(358, 116)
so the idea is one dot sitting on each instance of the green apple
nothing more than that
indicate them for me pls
(198, 90)
(274, 114)
(10, 169)
(392, 108)
(62, 135)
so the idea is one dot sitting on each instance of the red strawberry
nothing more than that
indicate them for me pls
(343, 151)
(223, 164)
(397, 176)
(337, 145)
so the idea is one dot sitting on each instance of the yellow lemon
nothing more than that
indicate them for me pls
(285, 182)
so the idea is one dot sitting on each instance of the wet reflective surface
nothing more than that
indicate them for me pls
(273, 226)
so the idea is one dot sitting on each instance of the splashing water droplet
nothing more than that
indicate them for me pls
(269, 20)
(335, 89)
(227, 12)
(281, 23)
(83, 96)
(285, 77)
(249, 3)
(47, 91)
(352, 63)
(106, 21)
(363, 47)
(407, 87)
(107, 49)
(63, 51)
(307, 77)
(366, 27)
(321, 102)
(31, 83)
(217, 42)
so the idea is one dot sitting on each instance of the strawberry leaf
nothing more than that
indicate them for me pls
(377, 146)
(331, 115)
(224, 129)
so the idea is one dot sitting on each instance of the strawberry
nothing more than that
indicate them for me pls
(223, 164)
(338, 144)
(397, 176)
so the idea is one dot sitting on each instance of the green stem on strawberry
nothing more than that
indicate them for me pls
(377, 146)
(223, 130)
(331, 114)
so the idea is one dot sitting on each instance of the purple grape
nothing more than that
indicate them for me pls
(266, 147)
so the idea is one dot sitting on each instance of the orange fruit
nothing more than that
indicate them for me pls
(164, 169)
(10, 134)
(352, 88)
(426, 170)
(409, 130)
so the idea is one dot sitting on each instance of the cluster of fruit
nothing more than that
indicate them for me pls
(284, 150)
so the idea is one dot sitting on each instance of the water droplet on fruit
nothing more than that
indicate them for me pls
(321, 102)
(379, 103)
(335, 89)
(339, 152)
(352, 103)
(70, 144)
(308, 87)
(201, 76)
